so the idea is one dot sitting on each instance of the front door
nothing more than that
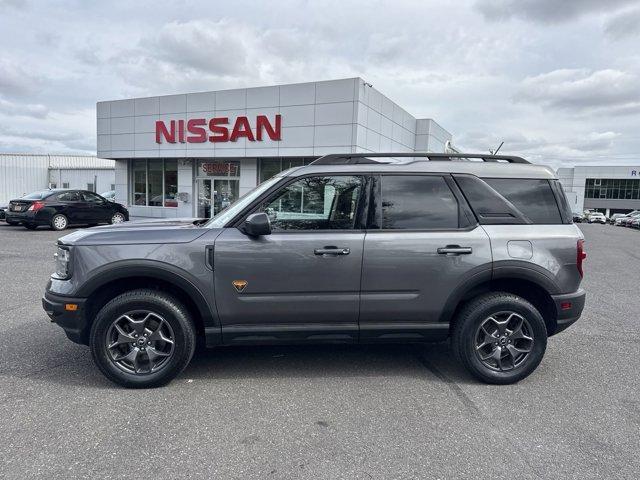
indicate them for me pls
(301, 282)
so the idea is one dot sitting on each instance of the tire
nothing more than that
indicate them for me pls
(59, 222)
(468, 334)
(30, 226)
(131, 366)
(117, 218)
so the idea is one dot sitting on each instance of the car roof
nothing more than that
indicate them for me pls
(480, 169)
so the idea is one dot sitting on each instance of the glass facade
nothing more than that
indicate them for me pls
(612, 188)
(154, 182)
(218, 186)
(268, 167)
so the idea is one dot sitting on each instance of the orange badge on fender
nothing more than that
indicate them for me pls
(239, 285)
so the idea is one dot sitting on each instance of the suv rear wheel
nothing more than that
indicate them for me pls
(499, 337)
(142, 339)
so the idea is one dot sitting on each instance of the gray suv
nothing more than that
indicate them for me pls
(355, 248)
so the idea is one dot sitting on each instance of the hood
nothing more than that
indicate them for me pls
(173, 230)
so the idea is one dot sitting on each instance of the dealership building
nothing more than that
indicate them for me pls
(608, 189)
(192, 154)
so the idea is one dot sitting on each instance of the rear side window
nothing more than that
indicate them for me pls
(69, 197)
(533, 197)
(417, 202)
(91, 197)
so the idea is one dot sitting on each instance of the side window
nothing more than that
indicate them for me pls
(69, 197)
(91, 197)
(316, 203)
(418, 202)
(533, 197)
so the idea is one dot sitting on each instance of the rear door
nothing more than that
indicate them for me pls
(422, 246)
(301, 282)
(71, 205)
(97, 208)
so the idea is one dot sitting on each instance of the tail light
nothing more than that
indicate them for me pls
(581, 255)
(35, 206)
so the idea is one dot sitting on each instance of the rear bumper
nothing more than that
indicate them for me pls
(569, 307)
(73, 322)
(26, 217)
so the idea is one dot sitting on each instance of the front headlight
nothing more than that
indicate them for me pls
(63, 263)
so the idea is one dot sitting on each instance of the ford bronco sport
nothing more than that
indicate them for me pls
(352, 248)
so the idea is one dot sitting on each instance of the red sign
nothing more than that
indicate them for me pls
(218, 129)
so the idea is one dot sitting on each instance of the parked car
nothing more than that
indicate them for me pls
(619, 221)
(629, 220)
(60, 208)
(3, 210)
(578, 217)
(635, 221)
(357, 258)
(626, 220)
(597, 217)
(110, 195)
(614, 217)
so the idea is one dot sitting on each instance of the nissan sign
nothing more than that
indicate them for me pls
(218, 129)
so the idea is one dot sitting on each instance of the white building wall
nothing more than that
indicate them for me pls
(22, 173)
(80, 178)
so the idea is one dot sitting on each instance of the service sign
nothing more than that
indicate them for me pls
(225, 169)
(219, 129)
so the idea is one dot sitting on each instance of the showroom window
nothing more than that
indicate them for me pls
(154, 183)
(268, 167)
(612, 188)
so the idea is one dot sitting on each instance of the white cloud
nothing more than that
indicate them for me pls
(623, 25)
(22, 109)
(573, 86)
(580, 90)
(545, 11)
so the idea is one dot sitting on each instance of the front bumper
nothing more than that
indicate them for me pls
(569, 307)
(73, 322)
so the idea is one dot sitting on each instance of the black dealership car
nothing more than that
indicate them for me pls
(60, 208)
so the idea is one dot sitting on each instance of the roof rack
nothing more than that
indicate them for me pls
(369, 158)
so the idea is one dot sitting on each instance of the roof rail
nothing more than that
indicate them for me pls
(369, 158)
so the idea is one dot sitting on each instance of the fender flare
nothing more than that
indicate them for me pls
(501, 270)
(151, 268)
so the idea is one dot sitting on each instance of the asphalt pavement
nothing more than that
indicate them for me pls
(328, 412)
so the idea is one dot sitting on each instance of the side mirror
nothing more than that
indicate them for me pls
(257, 224)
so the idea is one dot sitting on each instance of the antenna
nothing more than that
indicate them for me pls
(493, 152)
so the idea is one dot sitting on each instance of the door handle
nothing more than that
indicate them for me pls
(454, 250)
(209, 256)
(332, 251)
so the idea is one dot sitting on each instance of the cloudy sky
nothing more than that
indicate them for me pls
(557, 81)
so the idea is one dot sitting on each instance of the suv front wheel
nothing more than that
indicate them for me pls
(142, 339)
(499, 337)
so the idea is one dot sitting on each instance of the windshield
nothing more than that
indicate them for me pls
(232, 210)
